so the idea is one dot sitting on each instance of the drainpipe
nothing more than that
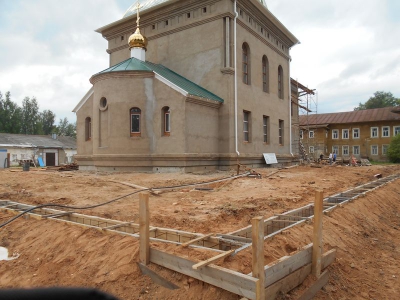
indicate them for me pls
(235, 66)
(290, 113)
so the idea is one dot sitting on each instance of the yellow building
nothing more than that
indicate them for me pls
(363, 133)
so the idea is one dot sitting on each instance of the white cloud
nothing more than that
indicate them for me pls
(347, 51)
(50, 50)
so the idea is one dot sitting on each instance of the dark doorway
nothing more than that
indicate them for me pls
(50, 159)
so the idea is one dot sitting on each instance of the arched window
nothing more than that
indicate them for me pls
(135, 121)
(88, 129)
(265, 74)
(246, 63)
(166, 117)
(280, 82)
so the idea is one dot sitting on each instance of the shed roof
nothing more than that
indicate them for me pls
(191, 88)
(36, 141)
(358, 116)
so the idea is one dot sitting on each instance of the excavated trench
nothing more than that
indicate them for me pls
(237, 240)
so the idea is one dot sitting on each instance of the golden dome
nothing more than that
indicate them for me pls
(137, 40)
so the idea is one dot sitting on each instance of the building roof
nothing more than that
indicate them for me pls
(191, 88)
(36, 141)
(358, 116)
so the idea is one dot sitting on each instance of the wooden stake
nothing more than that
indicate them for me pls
(317, 235)
(257, 235)
(144, 225)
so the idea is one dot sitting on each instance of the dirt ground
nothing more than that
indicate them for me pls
(364, 232)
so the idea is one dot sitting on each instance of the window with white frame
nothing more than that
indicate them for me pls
(356, 133)
(335, 134)
(281, 132)
(14, 157)
(301, 134)
(266, 128)
(356, 150)
(374, 132)
(246, 126)
(335, 149)
(311, 149)
(345, 150)
(311, 134)
(345, 134)
(385, 131)
(384, 149)
(396, 130)
(374, 149)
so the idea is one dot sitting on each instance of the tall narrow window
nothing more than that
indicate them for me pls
(166, 121)
(280, 82)
(246, 126)
(266, 129)
(281, 132)
(265, 74)
(135, 121)
(246, 63)
(88, 129)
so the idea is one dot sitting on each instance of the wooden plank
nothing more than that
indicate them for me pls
(226, 279)
(117, 225)
(289, 282)
(235, 238)
(313, 290)
(157, 278)
(295, 278)
(144, 234)
(290, 216)
(287, 221)
(211, 260)
(197, 239)
(57, 215)
(285, 265)
(317, 234)
(257, 235)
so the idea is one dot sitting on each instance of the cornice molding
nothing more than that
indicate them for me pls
(203, 101)
(121, 74)
(262, 39)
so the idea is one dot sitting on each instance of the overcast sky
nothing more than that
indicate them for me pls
(349, 48)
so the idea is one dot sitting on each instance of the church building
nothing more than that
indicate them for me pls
(192, 85)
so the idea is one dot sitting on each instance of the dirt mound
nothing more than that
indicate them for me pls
(365, 232)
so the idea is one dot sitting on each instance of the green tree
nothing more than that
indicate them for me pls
(65, 128)
(393, 151)
(30, 116)
(10, 115)
(379, 100)
(47, 118)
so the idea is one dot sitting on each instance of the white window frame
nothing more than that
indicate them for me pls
(335, 149)
(384, 149)
(358, 150)
(354, 133)
(375, 129)
(374, 147)
(246, 125)
(311, 134)
(396, 130)
(387, 131)
(335, 132)
(347, 150)
(343, 134)
(311, 149)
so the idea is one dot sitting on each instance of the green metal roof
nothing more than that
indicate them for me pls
(134, 64)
